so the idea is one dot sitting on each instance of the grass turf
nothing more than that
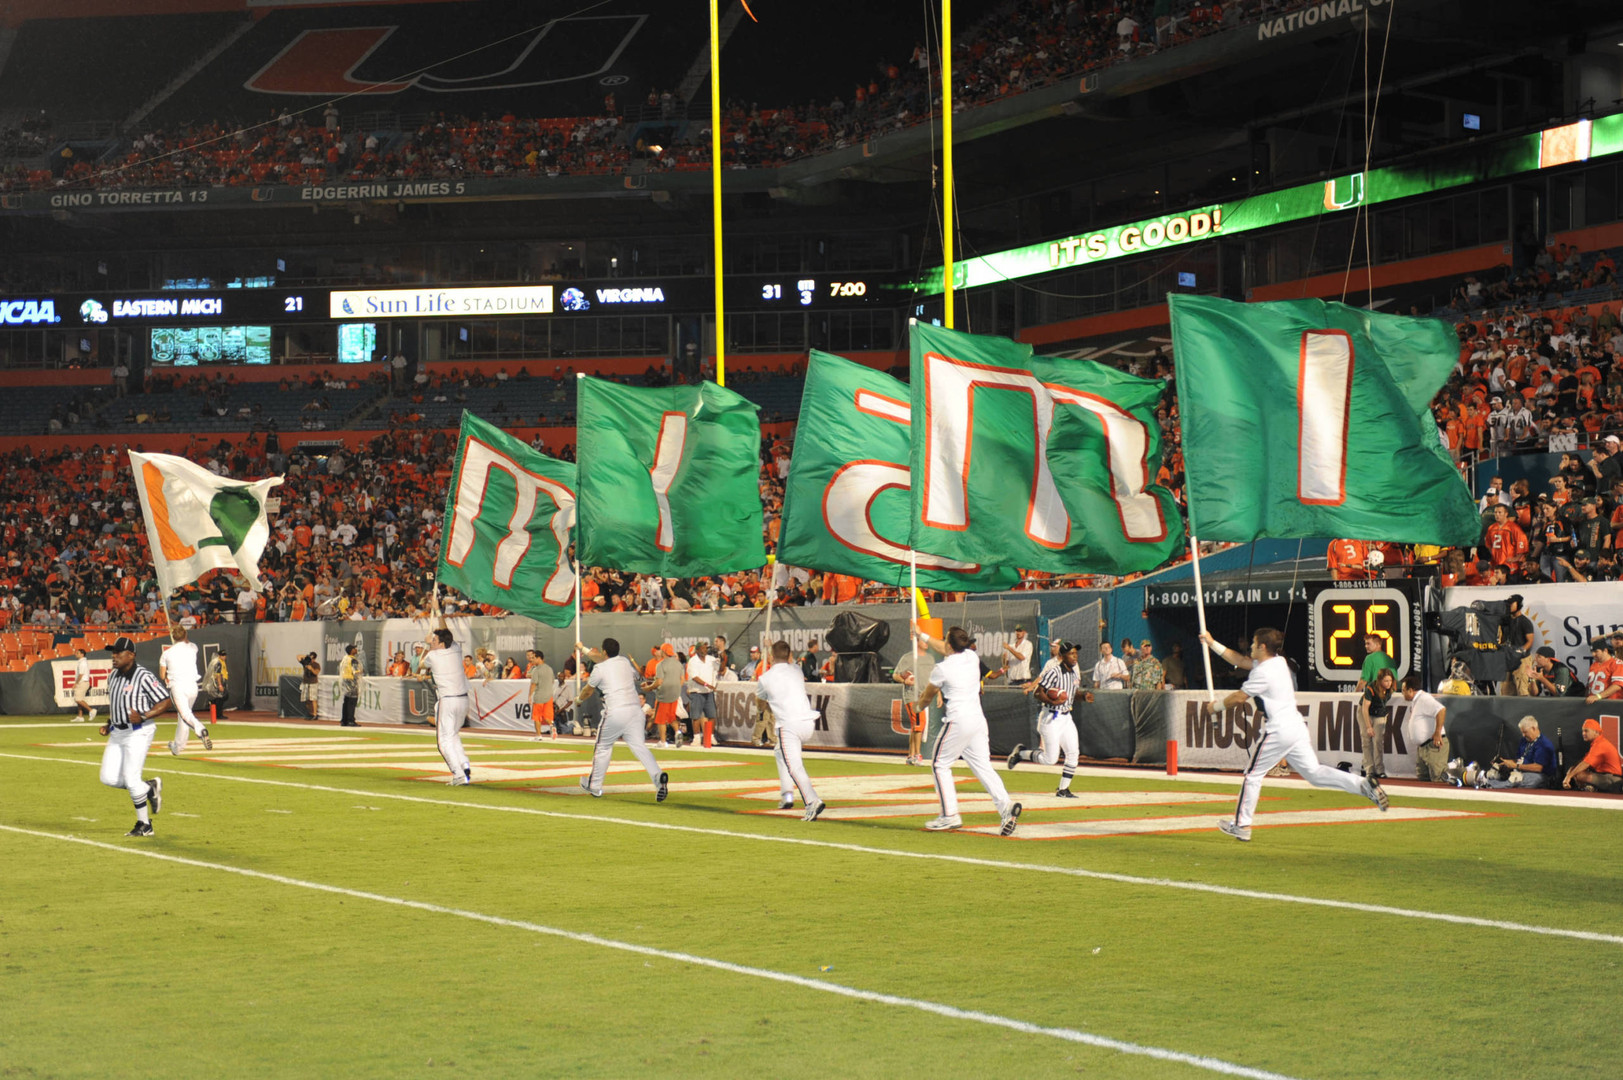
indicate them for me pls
(113, 962)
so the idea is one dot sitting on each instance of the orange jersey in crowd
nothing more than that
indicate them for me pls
(1349, 560)
(399, 668)
(1507, 544)
(1606, 674)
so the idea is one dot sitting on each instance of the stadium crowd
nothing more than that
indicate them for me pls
(1021, 46)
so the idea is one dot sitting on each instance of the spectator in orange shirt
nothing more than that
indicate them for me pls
(1504, 539)
(1601, 769)
(1349, 560)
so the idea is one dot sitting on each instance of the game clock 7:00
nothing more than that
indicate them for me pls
(1339, 621)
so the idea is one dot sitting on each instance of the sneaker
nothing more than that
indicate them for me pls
(586, 788)
(1014, 755)
(91, 719)
(1010, 820)
(174, 747)
(1239, 832)
(1375, 794)
(208, 743)
(786, 802)
(142, 828)
(77, 720)
(944, 823)
(663, 746)
(814, 810)
(155, 794)
(664, 787)
(1064, 793)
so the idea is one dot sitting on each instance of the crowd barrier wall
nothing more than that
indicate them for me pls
(47, 687)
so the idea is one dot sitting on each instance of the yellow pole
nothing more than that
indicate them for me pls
(715, 185)
(947, 215)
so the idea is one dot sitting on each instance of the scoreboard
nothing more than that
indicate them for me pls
(1340, 617)
(262, 307)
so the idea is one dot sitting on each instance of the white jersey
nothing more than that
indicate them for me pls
(445, 667)
(81, 673)
(1272, 684)
(616, 679)
(783, 688)
(959, 677)
(179, 664)
(1421, 720)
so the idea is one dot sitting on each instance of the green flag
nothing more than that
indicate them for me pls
(1035, 462)
(508, 517)
(669, 479)
(1310, 418)
(846, 505)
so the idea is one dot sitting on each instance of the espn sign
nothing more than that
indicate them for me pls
(63, 676)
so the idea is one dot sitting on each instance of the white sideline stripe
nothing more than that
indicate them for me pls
(961, 860)
(951, 1012)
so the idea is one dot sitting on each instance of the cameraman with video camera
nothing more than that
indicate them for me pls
(310, 688)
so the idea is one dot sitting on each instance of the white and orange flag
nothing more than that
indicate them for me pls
(197, 521)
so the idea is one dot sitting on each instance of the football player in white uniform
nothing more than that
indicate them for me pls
(619, 681)
(963, 735)
(783, 687)
(178, 666)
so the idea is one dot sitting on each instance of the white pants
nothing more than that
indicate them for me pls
(1058, 736)
(449, 712)
(1288, 739)
(965, 739)
(791, 766)
(124, 757)
(183, 697)
(625, 725)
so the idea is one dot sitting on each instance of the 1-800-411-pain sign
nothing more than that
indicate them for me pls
(1340, 619)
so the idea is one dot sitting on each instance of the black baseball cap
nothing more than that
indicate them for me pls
(1546, 652)
(122, 644)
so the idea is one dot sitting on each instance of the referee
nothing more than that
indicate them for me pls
(1057, 689)
(134, 698)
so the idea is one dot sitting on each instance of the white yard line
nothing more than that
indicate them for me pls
(951, 1012)
(961, 860)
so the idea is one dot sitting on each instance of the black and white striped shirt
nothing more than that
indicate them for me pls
(136, 692)
(1055, 677)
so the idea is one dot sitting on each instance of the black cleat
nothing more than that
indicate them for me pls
(155, 795)
(664, 787)
(208, 743)
(1014, 755)
(1064, 793)
(142, 828)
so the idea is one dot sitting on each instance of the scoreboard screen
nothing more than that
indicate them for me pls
(1340, 618)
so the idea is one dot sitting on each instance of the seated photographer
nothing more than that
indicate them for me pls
(1600, 770)
(1532, 767)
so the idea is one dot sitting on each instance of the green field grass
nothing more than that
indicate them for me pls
(380, 923)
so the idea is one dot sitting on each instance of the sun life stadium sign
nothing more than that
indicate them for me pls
(491, 302)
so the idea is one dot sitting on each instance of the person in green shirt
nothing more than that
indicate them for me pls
(1375, 660)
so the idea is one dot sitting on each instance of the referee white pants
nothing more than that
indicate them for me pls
(1058, 733)
(625, 725)
(183, 697)
(1288, 739)
(449, 712)
(792, 736)
(965, 739)
(124, 757)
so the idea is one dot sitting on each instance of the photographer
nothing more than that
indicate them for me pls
(310, 688)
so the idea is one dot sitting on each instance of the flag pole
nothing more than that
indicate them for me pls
(577, 633)
(1200, 597)
(947, 216)
(715, 191)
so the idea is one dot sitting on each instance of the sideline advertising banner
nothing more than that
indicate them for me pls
(64, 674)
